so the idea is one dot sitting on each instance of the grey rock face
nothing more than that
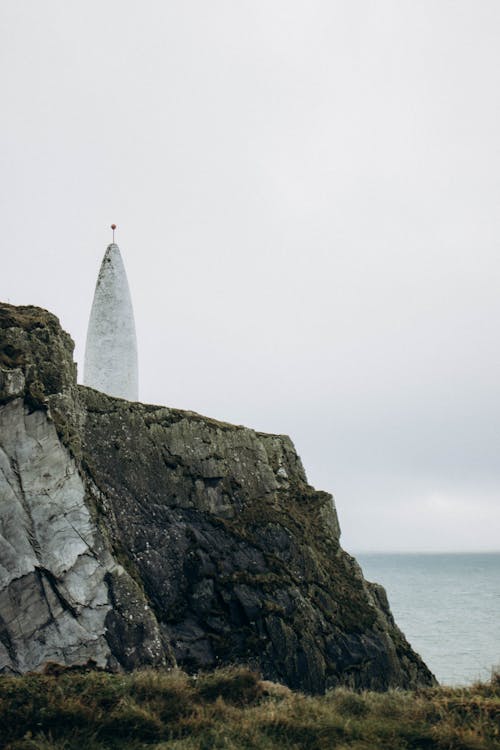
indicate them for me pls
(111, 349)
(53, 596)
(148, 535)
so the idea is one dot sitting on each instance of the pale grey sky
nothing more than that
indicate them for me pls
(308, 202)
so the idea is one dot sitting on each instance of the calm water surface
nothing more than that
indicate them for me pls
(447, 605)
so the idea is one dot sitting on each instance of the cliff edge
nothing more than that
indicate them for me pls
(138, 535)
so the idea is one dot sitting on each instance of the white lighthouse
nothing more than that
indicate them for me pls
(111, 348)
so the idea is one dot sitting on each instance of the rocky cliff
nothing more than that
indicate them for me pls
(138, 535)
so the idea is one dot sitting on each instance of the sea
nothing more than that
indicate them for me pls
(448, 607)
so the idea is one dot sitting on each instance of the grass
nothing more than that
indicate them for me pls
(236, 710)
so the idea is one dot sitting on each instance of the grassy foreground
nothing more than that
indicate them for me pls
(234, 709)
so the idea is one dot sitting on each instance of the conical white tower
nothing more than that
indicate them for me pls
(111, 349)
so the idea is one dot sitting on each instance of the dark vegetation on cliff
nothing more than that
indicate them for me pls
(235, 710)
(237, 555)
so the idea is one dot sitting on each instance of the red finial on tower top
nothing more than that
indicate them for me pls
(113, 227)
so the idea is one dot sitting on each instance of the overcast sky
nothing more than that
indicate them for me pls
(308, 202)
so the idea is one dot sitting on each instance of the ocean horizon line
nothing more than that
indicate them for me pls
(423, 552)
